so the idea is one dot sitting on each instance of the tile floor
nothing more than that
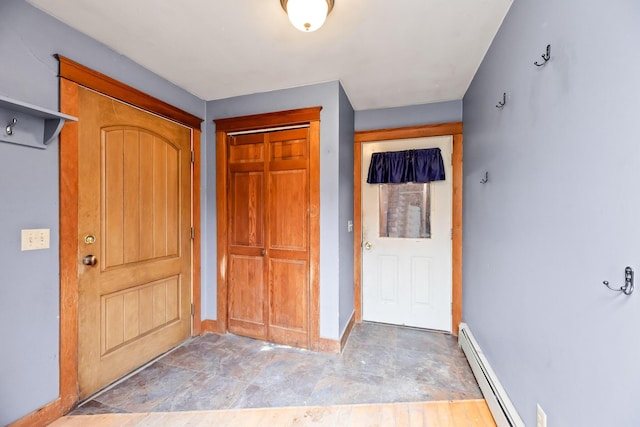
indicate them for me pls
(380, 364)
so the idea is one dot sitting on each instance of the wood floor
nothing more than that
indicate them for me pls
(468, 413)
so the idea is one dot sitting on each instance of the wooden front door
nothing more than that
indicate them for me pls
(268, 246)
(134, 204)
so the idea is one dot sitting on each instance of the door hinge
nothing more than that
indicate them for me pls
(193, 157)
(452, 234)
(193, 310)
(193, 233)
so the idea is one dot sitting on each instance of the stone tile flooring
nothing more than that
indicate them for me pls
(380, 364)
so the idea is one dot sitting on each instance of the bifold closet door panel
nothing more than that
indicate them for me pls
(247, 237)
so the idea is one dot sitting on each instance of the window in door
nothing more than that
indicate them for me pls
(405, 210)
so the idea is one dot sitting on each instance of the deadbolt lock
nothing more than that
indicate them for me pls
(89, 239)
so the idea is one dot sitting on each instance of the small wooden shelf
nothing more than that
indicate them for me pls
(34, 126)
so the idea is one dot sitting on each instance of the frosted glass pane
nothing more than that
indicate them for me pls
(405, 210)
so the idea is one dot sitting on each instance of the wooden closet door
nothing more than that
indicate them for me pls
(288, 237)
(268, 266)
(247, 247)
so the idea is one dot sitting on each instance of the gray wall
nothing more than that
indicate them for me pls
(560, 211)
(413, 115)
(29, 290)
(208, 232)
(327, 96)
(346, 208)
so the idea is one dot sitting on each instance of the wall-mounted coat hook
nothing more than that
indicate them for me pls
(546, 57)
(10, 126)
(627, 289)
(485, 179)
(502, 103)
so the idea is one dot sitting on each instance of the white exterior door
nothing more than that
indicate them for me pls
(406, 243)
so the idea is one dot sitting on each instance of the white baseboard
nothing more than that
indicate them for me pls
(500, 405)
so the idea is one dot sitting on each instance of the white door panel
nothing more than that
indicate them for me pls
(407, 281)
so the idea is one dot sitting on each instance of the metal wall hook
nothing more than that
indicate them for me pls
(546, 57)
(485, 179)
(627, 289)
(10, 126)
(502, 103)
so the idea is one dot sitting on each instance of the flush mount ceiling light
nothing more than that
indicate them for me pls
(307, 15)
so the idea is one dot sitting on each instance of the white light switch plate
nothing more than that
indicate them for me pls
(33, 239)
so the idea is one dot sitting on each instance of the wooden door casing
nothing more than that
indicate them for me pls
(134, 196)
(268, 267)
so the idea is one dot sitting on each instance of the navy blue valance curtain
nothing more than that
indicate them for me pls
(424, 165)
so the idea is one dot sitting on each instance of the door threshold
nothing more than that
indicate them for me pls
(416, 328)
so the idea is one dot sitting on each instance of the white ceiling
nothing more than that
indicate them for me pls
(385, 53)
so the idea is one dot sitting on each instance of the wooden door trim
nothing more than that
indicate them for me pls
(99, 82)
(197, 236)
(300, 116)
(314, 233)
(222, 233)
(310, 116)
(43, 416)
(69, 140)
(69, 104)
(443, 129)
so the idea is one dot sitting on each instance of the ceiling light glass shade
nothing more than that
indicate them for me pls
(307, 15)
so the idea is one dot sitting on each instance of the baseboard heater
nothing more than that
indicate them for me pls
(501, 408)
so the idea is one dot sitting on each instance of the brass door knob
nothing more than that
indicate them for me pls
(368, 245)
(90, 260)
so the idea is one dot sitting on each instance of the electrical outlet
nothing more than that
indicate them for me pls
(541, 417)
(35, 239)
(350, 226)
